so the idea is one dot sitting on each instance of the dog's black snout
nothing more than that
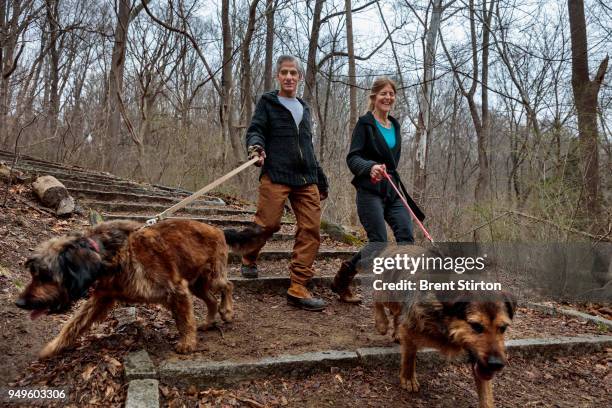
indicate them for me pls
(21, 303)
(494, 363)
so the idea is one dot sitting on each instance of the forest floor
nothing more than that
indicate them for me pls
(263, 326)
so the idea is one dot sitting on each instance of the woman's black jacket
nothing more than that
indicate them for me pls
(368, 147)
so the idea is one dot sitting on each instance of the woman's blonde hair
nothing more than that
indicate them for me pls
(377, 86)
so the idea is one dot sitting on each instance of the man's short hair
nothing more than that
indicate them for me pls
(289, 58)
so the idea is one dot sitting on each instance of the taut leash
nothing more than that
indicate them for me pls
(165, 214)
(401, 196)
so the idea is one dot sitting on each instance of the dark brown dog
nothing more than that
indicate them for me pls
(120, 261)
(467, 323)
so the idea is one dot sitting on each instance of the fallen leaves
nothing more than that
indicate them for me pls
(86, 374)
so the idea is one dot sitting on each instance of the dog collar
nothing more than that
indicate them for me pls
(93, 244)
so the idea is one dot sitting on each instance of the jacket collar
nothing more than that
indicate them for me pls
(369, 119)
(273, 97)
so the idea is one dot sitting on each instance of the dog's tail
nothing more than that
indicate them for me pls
(244, 241)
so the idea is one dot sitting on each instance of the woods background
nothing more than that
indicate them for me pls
(506, 106)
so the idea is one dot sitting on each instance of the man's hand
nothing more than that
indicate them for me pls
(377, 172)
(257, 151)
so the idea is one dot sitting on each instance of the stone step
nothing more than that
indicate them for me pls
(102, 181)
(205, 373)
(82, 178)
(217, 221)
(277, 254)
(68, 174)
(144, 207)
(78, 178)
(148, 197)
(51, 166)
(135, 189)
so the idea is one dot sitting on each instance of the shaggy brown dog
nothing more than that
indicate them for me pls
(452, 324)
(120, 261)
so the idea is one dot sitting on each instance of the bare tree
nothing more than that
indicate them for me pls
(480, 117)
(585, 98)
(115, 76)
(15, 19)
(246, 83)
(270, 10)
(352, 80)
(311, 61)
(423, 129)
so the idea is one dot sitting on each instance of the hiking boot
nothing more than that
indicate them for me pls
(249, 271)
(300, 297)
(342, 282)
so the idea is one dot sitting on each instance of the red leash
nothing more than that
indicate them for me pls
(419, 223)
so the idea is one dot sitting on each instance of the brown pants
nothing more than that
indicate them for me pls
(307, 208)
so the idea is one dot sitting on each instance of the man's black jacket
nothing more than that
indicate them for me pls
(290, 157)
(368, 147)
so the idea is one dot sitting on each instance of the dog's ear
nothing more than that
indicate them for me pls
(79, 269)
(510, 303)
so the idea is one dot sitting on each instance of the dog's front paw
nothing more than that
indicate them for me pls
(227, 315)
(410, 384)
(184, 347)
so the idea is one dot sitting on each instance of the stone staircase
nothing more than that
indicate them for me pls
(117, 198)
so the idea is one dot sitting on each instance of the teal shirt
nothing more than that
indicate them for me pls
(388, 134)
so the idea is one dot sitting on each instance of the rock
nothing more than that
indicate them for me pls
(53, 194)
(65, 207)
(339, 233)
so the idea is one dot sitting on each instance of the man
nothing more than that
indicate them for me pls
(280, 134)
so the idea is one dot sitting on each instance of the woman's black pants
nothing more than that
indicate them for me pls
(374, 211)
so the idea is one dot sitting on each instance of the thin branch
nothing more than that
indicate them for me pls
(211, 74)
(341, 13)
(357, 57)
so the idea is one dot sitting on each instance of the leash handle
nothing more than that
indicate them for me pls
(419, 223)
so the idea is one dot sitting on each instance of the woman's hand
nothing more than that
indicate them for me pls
(377, 172)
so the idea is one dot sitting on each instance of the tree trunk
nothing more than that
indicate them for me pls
(226, 113)
(247, 93)
(115, 77)
(422, 134)
(268, 78)
(311, 63)
(351, 67)
(54, 55)
(482, 183)
(3, 81)
(585, 98)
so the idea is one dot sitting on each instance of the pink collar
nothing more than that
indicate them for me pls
(94, 245)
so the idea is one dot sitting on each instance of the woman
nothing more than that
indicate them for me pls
(376, 148)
